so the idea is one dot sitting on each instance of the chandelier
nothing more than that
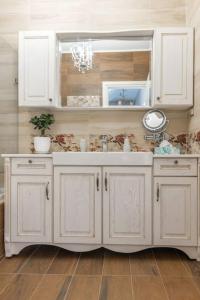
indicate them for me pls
(82, 55)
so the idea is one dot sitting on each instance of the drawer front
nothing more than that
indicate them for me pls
(32, 166)
(175, 167)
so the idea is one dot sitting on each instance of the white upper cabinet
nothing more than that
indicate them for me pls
(173, 68)
(127, 206)
(37, 74)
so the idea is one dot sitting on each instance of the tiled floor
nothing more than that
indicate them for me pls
(49, 273)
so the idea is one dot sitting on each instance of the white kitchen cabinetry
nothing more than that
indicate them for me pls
(37, 73)
(175, 202)
(102, 205)
(77, 205)
(173, 67)
(31, 208)
(127, 206)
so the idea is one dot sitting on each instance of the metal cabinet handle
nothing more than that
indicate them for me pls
(106, 182)
(47, 191)
(97, 181)
(158, 98)
(176, 162)
(30, 161)
(50, 99)
(158, 192)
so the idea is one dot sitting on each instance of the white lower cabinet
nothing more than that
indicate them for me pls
(127, 206)
(31, 209)
(175, 211)
(77, 205)
(94, 206)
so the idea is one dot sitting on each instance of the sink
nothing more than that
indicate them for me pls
(103, 158)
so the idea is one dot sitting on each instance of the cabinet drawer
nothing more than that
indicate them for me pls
(32, 166)
(175, 167)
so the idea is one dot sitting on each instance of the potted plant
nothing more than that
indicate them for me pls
(43, 122)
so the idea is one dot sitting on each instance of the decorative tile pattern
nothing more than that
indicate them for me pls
(70, 142)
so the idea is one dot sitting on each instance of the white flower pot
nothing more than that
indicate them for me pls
(42, 144)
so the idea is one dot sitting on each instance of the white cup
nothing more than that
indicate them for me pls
(83, 145)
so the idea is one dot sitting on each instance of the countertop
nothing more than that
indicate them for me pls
(154, 156)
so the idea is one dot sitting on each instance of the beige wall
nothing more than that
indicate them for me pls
(1, 229)
(193, 19)
(74, 15)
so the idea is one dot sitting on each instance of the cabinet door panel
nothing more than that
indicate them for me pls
(127, 206)
(36, 68)
(173, 78)
(77, 205)
(31, 208)
(175, 211)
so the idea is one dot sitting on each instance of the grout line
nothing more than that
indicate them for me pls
(132, 289)
(100, 286)
(14, 275)
(56, 254)
(160, 275)
(43, 275)
(28, 259)
(72, 277)
(132, 278)
(196, 284)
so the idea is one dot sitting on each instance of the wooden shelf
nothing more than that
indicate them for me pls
(135, 108)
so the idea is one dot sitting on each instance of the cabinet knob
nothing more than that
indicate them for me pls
(176, 162)
(158, 98)
(30, 161)
(50, 99)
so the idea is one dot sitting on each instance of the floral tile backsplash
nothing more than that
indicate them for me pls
(187, 143)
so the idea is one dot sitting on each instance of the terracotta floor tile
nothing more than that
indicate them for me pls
(170, 264)
(181, 288)
(116, 264)
(144, 263)
(149, 287)
(116, 288)
(52, 287)
(197, 282)
(14, 263)
(21, 287)
(40, 261)
(90, 263)
(84, 288)
(64, 263)
(192, 266)
(5, 279)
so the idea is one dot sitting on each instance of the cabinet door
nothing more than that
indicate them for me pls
(175, 211)
(173, 67)
(31, 208)
(77, 207)
(127, 205)
(37, 68)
